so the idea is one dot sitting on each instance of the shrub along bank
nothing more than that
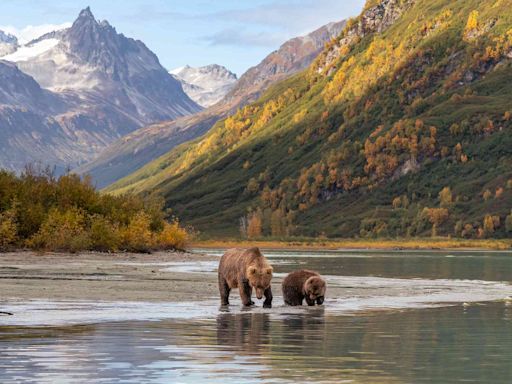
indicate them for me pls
(42, 212)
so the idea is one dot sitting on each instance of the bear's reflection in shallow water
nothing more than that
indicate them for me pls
(258, 332)
(249, 332)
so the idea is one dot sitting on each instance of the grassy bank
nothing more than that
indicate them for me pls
(421, 244)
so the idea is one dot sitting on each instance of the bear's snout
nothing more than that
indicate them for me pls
(259, 293)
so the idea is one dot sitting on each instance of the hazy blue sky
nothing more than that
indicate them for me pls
(234, 33)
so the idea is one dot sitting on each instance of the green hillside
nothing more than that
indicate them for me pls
(402, 127)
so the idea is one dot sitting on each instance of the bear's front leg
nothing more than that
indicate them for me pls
(309, 301)
(245, 293)
(268, 298)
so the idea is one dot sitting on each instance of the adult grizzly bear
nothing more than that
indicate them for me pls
(303, 284)
(245, 269)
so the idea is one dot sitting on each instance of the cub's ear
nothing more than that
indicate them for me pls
(252, 270)
(270, 270)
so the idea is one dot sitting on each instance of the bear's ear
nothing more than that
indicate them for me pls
(269, 270)
(252, 270)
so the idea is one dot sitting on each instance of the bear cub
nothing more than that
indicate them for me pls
(245, 269)
(304, 284)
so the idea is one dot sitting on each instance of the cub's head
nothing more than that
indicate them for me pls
(314, 289)
(259, 279)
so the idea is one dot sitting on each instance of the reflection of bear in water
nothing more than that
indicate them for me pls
(304, 284)
(245, 269)
(247, 332)
(305, 332)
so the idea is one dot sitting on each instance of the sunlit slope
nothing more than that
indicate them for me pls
(401, 127)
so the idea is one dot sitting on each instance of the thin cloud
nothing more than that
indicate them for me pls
(31, 32)
(280, 20)
(236, 37)
(294, 16)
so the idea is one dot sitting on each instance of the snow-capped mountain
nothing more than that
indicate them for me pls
(205, 85)
(106, 85)
(8, 43)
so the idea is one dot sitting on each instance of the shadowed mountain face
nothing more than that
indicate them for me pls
(142, 146)
(103, 85)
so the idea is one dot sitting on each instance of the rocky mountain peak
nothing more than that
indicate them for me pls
(219, 71)
(7, 38)
(86, 14)
(8, 43)
(205, 85)
(99, 45)
(85, 29)
(86, 25)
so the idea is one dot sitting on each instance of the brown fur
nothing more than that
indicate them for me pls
(245, 269)
(304, 284)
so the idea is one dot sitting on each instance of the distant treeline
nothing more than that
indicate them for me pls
(43, 212)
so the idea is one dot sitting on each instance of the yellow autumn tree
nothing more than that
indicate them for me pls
(508, 222)
(488, 225)
(254, 225)
(137, 236)
(8, 229)
(445, 197)
(472, 23)
(172, 236)
(436, 216)
(62, 231)
(278, 223)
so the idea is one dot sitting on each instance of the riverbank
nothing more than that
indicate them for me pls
(103, 276)
(62, 288)
(400, 244)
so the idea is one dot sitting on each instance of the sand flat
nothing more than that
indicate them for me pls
(101, 276)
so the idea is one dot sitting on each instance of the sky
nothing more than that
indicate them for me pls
(235, 33)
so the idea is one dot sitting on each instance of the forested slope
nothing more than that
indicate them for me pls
(402, 127)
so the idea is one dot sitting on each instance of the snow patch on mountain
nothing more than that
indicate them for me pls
(29, 51)
(205, 85)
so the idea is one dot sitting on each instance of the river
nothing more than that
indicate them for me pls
(446, 317)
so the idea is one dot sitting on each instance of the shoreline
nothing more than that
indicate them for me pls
(90, 287)
(361, 245)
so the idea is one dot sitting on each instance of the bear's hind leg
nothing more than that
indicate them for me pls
(297, 301)
(224, 291)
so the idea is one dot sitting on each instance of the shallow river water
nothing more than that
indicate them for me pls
(442, 317)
